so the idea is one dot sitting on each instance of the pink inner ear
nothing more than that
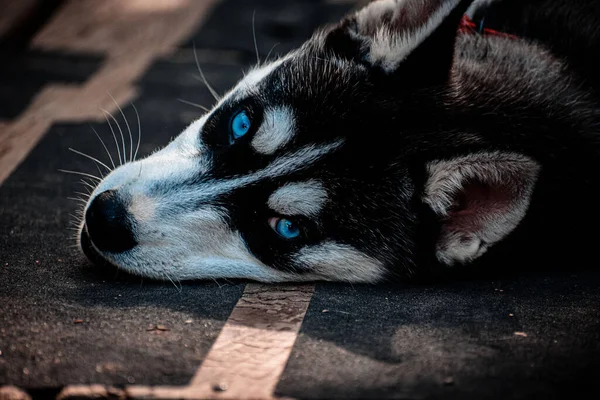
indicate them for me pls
(481, 197)
(476, 203)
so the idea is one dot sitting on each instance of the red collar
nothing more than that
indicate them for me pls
(468, 26)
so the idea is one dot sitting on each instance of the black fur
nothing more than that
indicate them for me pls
(533, 96)
(456, 94)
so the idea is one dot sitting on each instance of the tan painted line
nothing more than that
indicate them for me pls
(253, 348)
(132, 34)
(99, 392)
(246, 360)
(13, 393)
(96, 392)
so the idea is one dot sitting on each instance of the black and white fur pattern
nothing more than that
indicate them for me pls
(397, 144)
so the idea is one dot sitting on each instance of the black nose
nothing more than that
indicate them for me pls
(109, 225)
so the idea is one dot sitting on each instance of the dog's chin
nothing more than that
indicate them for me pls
(103, 268)
(90, 251)
(101, 264)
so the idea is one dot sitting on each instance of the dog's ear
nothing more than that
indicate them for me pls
(401, 36)
(480, 199)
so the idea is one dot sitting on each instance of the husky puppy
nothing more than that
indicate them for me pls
(393, 144)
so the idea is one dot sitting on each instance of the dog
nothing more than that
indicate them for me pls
(413, 136)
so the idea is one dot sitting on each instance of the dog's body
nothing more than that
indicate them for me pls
(388, 145)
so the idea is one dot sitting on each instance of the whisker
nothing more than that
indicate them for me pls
(122, 136)
(254, 36)
(139, 131)
(216, 281)
(77, 199)
(80, 173)
(210, 89)
(83, 181)
(126, 124)
(105, 148)
(180, 285)
(90, 157)
(269, 53)
(75, 216)
(194, 104)
(88, 184)
(179, 289)
(83, 194)
(99, 171)
(114, 137)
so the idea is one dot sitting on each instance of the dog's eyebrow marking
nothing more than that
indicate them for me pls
(339, 262)
(258, 74)
(249, 84)
(301, 198)
(282, 166)
(276, 131)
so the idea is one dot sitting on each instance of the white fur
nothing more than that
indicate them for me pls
(339, 262)
(142, 208)
(301, 198)
(281, 166)
(180, 160)
(250, 83)
(476, 5)
(276, 131)
(390, 46)
(190, 245)
(460, 248)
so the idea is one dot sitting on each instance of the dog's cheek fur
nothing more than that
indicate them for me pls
(192, 244)
(339, 262)
(372, 213)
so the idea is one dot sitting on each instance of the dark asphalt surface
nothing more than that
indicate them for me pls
(64, 322)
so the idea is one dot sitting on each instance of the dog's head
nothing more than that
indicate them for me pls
(319, 166)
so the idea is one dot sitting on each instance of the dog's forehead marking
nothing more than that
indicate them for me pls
(299, 198)
(277, 129)
(281, 166)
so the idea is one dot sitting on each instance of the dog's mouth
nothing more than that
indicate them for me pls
(90, 251)
(101, 266)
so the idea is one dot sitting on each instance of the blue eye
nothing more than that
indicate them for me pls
(240, 125)
(285, 228)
